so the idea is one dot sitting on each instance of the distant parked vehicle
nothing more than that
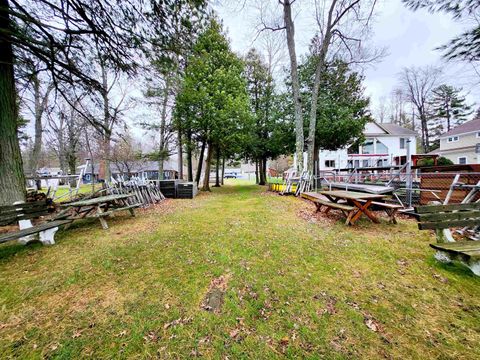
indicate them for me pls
(230, 176)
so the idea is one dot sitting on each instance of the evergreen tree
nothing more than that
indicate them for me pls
(342, 109)
(449, 107)
(213, 102)
(272, 132)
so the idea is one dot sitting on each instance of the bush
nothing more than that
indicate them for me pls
(441, 161)
(426, 162)
(444, 161)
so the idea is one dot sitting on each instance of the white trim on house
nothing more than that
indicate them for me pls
(461, 134)
(453, 138)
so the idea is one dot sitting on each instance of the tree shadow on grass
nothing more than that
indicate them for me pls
(13, 248)
(454, 268)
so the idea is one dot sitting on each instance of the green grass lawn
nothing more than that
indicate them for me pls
(296, 286)
(62, 193)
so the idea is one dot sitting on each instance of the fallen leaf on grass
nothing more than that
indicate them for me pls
(77, 334)
(357, 274)
(180, 321)
(151, 336)
(402, 262)
(371, 324)
(204, 340)
(234, 333)
(195, 353)
(440, 278)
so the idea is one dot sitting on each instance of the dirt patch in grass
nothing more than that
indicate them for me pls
(213, 299)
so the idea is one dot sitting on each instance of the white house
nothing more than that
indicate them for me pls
(384, 143)
(462, 143)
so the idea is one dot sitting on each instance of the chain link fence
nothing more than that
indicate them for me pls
(409, 189)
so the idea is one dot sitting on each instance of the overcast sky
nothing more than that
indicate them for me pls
(410, 38)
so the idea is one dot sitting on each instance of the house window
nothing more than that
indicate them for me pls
(330, 163)
(403, 143)
(478, 134)
(381, 148)
(462, 160)
(453, 139)
(365, 163)
(367, 147)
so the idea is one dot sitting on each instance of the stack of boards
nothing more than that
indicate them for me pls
(178, 189)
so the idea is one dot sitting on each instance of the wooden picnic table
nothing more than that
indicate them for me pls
(98, 207)
(360, 201)
(353, 204)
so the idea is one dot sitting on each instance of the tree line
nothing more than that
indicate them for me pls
(72, 64)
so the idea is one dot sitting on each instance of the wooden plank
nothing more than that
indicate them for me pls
(442, 208)
(351, 195)
(32, 230)
(366, 188)
(14, 217)
(311, 195)
(27, 205)
(443, 216)
(316, 198)
(464, 249)
(387, 205)
(99, 200)
(110, 212)
(331, 204)
(465, 245)
(448, 224)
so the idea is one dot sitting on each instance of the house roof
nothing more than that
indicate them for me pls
(467, 127)
(394, 129)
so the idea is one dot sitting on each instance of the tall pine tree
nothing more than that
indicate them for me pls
(449, 107)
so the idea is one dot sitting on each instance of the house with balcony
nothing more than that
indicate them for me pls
(384, 145)
(462, 143)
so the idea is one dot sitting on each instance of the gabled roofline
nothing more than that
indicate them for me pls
(465, 133)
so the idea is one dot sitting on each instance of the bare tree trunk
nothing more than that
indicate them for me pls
(189, 157)
(316, 165)
(104, 168)
(180, 155)
(40, 104)
(290, 30)
(163, 120)
(200, 164)
(37, 142)
(208, 163)
(256, 172)
(261, 170)
(223, 170)
(12, 179)
(264, 170)
(217, 168)
(316, 86)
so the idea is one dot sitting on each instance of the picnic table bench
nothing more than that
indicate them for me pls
(98, 207)
(23, 213)
(443, 217)
(351, 203)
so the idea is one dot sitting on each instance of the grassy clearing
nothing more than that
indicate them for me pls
(62, 193)
(297, 286)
